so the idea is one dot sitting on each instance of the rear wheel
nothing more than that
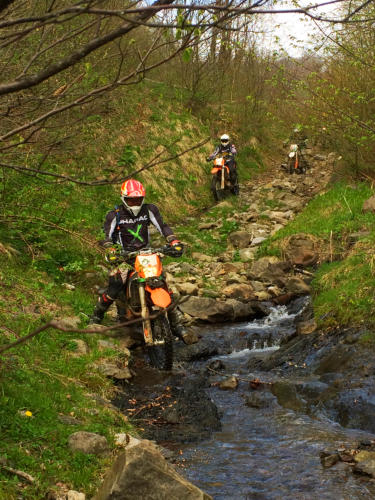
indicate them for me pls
(161, 352)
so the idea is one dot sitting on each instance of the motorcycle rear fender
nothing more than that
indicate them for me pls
(159, 296)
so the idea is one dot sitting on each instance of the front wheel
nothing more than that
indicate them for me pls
(219, 194)
(160, 352)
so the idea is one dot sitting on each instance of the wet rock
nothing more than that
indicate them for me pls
(216, 365)
(365, 463)
(88, 442)
(311, 389)
(240, 239)
(142, 472)
(353, 408)
(329, 460)
(241, 310)
(287, 396)
(207, 309)
(335, 360)
(229, 384)
(260, 400)
(306, 327)
(194, 352)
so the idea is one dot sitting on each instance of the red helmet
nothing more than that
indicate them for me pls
(132, 195)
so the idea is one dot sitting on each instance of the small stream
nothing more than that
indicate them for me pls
(269, 453)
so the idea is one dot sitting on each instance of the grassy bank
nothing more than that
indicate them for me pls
(344, 284)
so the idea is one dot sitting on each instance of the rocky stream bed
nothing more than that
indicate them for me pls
(261, 405)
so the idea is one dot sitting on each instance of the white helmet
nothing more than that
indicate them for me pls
(224, 139)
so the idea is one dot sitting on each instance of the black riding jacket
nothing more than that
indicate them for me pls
(122, 227)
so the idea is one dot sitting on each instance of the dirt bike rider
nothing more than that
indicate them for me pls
(226, 147)
(299, 137)
(127, 225)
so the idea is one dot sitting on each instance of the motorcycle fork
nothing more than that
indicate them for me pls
(146, 323)
(222, 177)
(296, 162)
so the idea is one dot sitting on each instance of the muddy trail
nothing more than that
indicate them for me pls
(262, 406)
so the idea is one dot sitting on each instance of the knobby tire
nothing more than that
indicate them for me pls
(161, 355)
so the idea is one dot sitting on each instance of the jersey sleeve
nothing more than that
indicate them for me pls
(157, 220)
(110, 226)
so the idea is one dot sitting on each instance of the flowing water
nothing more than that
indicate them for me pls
(270, 453)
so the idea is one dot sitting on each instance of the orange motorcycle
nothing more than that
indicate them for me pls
(221, 184)
(296, 161)
(146, 296)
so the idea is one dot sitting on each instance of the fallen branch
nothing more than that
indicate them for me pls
(19, 473)
(254, 381)
(56, 325)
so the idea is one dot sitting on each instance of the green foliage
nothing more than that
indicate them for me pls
(128, 156)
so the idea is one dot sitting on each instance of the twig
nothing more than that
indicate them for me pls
(18, 473)
(242, 379)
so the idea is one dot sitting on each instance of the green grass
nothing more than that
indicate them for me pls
(42, 377)
(343, 289)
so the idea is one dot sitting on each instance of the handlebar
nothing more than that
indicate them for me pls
(124, 256)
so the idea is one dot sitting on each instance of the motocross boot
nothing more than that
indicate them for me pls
(121, 314)
(101, 308)
(178, 329)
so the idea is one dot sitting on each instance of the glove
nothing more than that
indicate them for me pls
(178, 248)
(208, 158)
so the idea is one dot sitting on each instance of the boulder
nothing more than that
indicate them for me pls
(111, 370)
(88, 442)
(297, 286)
(207, 309)
(141, 471)
(240, 291)
(302, 249)
(241, 310)
(187, 288)
(240, 239)
(365, 463)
